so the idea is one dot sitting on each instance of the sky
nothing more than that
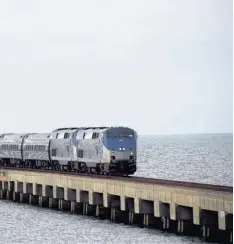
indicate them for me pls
(157, 66)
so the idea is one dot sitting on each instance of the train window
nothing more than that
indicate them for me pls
(95, 135)
(125, 134)
(88, 134)
(111, 135)
(80, 153)
(60, 136)
(66, 135)
(54, 152)
(39, 147)
(14, 147)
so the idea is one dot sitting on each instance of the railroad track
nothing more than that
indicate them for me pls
(163, 182)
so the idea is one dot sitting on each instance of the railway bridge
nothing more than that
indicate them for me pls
(169, 205)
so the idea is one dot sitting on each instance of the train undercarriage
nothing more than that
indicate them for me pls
(122, 168)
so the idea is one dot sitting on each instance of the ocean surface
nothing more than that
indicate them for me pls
(204, 158)
(197, 158)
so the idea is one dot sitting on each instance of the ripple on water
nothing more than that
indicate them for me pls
(25, 224)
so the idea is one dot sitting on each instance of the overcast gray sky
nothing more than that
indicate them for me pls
(158, 66)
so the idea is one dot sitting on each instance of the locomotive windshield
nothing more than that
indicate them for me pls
(125, 134)
(120, 135)
(111, 135)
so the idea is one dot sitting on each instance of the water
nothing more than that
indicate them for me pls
(199, 158)
(195, 158)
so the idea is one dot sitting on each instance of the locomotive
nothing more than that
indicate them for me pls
(90, 150)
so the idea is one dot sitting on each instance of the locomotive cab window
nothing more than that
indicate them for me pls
(125, 134)
(111, 135)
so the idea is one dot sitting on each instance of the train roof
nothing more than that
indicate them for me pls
(89, 128)
(12, 135)
(81, 128)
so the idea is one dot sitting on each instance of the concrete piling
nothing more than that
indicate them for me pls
(8, 195)
(73, 206)
(21, 197)
(40, 201)
(85, 208)
(180, 226)
(165, 223)
(146, 220)
(131, 216)
(97, 211)
(112, 217)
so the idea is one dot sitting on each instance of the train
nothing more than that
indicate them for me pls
(89, 150)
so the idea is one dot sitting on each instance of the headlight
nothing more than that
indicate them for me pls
(120, 148)
(123, 148)
(131, 153)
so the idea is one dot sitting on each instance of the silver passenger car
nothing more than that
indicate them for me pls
(36, 149)
(10, 148)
